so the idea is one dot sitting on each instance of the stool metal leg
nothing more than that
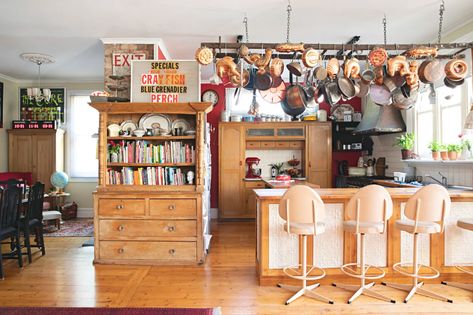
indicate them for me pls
(305, 289)
(363, 288)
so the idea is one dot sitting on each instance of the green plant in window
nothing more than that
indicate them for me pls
(405, 141)
(455, 148)
(435, 146)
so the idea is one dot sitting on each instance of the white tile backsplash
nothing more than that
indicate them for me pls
(268, 157)
(456, 174)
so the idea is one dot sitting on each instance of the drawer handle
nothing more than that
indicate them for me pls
(171, 228)
(172, 251)
(119, 207)
(121, 250)
(121, 227)
(172, 207)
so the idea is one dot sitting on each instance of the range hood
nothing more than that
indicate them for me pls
(378, 120)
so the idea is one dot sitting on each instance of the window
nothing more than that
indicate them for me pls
(440, 116)
(83, 122)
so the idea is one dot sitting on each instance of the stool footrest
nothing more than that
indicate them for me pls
(295, 272)
(464, 269)
(399, 268)
(352, 273)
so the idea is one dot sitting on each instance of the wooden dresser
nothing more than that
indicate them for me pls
(147, 221)
(313, 139)
(40, 152)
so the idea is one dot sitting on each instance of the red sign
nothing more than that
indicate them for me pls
(121, 62)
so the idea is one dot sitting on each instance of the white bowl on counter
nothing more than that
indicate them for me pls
(236, 118)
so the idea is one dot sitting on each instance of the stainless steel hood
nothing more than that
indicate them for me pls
(378, 120)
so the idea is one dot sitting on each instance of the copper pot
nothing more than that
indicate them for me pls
(456, 69)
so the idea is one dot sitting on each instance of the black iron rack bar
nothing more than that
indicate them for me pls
(285, 56)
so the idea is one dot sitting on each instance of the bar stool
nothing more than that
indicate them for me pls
(304, 212)
(368, 212)
(466, 224)
(426, 212)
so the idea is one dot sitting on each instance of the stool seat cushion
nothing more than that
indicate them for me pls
(465, 223)
(51, 215)
(364, 227)
(305, 228)
(422, 226)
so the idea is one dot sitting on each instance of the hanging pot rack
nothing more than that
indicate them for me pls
(359, 50)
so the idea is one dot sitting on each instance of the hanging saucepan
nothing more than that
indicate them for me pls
(400, 101)
(451, 83)
(456, 69)
(310, 90)
(380, 95)
(364, 89)
(295, 102)
(251, 81)
(389, 83)
(320, 73)
(295, 68)
(430, 71)
(263, 80)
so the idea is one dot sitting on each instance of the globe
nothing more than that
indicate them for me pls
(59, 179)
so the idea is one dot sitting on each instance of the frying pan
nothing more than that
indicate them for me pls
(295, 68)
(331, 92)
(320, 73)
(251, 81)
(263, 81)
(430, 71)
(380, 95)
(364, 89)
(310, 91)
(346, 86)
(296, 98)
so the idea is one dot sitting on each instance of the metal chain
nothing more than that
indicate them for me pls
(384, 29)
(245, 21)
(289, 9)
(442, 9)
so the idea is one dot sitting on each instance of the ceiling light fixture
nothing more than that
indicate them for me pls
(35, 93)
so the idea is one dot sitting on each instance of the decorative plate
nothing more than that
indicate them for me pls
(155, 121)
(129, 126)
(337, 111)
(181, 123)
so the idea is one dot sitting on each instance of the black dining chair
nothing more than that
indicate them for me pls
(9, 224)
(33, 219)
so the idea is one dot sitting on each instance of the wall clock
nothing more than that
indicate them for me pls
(275, 94)
(210, 96)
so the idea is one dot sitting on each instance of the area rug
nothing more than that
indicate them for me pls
(76, 227)
(106, 311)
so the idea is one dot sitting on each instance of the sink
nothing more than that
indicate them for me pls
(459, 187)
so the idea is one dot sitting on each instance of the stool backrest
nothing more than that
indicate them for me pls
(430, 203)
(371, 203)
(301, 204)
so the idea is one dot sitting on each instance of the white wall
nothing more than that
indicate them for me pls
(273, 156)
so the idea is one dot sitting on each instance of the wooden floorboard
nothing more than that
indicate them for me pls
(67, 277)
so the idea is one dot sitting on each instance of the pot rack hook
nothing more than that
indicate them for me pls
(245, 22)
(441, 10)
(220, 44)
(385, 23)
(289, 9)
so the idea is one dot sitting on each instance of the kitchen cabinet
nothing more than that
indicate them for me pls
(313, 139)
(231, 171)
(319, 155)
(40, 152)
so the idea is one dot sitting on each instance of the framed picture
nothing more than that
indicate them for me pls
(1, 104)
(30, 109)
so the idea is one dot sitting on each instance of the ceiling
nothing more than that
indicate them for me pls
(71, 30)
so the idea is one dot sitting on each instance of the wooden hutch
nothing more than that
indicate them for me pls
(138, 218)
(312, 138)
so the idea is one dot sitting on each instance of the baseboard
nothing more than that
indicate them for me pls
(85, 213)
(214, 213)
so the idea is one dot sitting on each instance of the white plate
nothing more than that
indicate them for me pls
(154, 121)
(337, 111)
(128, 125)
(189, 132)
(181, 123)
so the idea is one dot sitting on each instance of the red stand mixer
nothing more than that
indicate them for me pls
(252, 171)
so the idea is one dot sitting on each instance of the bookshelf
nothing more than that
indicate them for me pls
(143, 191)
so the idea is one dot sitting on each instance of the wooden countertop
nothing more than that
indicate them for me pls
(274, 184)
(342, 194)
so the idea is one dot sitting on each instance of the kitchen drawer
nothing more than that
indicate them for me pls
(282, 144)
(267, 144)
(121, 207)
(129, 250)
(296, 144)
(173, 208)
(123, 229)
(254, 184)
(253, 144)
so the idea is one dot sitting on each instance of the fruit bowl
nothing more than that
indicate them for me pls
(293, 172)
(294, 162)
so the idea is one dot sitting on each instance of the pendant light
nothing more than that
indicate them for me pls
(36, 93)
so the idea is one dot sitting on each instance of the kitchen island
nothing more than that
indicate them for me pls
(330, 250)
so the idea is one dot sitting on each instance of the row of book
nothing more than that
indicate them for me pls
(146, 176)
(146, 152)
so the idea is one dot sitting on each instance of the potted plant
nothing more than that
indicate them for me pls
(406, 143)
(454, 150)
(466, 147)
(113, 150)
(443, 152)
(435, 146)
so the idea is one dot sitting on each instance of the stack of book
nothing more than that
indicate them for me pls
(146, 176)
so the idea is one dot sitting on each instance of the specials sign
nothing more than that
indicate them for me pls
(165, 81)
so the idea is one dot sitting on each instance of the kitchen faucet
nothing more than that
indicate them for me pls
(444, 181)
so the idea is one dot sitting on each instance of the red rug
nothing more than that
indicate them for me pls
(106, 311)
(75, 227)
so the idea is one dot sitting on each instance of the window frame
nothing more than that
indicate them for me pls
(68, 146)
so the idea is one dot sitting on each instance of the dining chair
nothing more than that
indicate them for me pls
(33, 219)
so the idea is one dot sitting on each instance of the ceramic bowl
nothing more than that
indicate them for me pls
(139, 132)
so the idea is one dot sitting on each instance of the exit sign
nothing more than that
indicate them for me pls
(121, 62)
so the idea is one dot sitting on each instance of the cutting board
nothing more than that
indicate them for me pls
(391, 183)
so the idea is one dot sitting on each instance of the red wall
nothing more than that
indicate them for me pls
(214, 117)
